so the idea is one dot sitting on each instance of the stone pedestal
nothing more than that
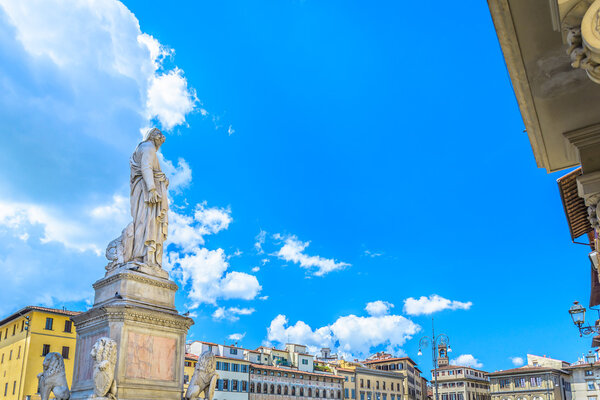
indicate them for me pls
(137, 310)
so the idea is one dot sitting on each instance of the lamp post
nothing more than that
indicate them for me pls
(577, 312)
(434, 341)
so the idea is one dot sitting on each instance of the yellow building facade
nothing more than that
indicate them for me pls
(25, 338)
(404, 366)
(189, 366)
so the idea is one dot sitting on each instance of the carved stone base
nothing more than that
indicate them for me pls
(135, 288)
(149, 332)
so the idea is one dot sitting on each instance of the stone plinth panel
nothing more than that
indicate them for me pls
(149, 332)
(136, 288)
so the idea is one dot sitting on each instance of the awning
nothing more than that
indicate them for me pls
(575, 208)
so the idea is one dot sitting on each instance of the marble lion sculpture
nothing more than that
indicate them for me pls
(204, 379)
(104, 354)
(53, 378)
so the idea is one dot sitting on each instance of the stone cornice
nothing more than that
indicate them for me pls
(122, 313)
(584, 137)
(507, 36)
(136, 276)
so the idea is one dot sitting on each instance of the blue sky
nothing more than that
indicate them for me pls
(323, 156)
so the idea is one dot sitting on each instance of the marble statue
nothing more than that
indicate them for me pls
(53, 378)
(141, 242)
(104, 354)
(204, 379)
(149, 201)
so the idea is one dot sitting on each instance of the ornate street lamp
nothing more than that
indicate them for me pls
(434, 341)
(590, 357)
(577, 312)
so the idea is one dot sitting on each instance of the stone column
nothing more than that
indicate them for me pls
(137, 310)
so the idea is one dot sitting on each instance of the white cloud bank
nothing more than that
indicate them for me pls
(350, 335)
(188, 231)
(79, 81)
(205, 273)
(432, 304)
(466, 360)
(293, 250)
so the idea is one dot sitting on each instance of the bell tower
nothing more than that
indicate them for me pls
(443, 354)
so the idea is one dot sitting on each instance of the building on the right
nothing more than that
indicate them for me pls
(585, 378)
(551, 50)
(530, 383)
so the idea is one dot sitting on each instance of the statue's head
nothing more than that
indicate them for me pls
(207, 362)
(104, 349)
(53, 364)
(156, 136)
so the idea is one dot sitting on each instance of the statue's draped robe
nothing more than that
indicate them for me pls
(150, 221)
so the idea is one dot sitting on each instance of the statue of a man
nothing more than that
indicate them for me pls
(149, 202)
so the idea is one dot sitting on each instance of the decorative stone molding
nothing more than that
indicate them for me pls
(122, 314)
(135, 277)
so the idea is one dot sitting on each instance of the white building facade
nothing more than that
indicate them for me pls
(585, 381)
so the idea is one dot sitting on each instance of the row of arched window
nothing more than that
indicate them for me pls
(285, 390)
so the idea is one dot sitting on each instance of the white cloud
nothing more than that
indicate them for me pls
(255, 269)
(260, 241)
(263, 298)
(239, 285)
(372, 254)
(231, 313)
(351, 335)
(293, 250)
(432, 304)
(187, 232)
(230, 130)
(18, 218)
(467, 360)
(203, 274)
(170, 99)
(517, 361)
(212, 220)
(377, 308)
(236, 336)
